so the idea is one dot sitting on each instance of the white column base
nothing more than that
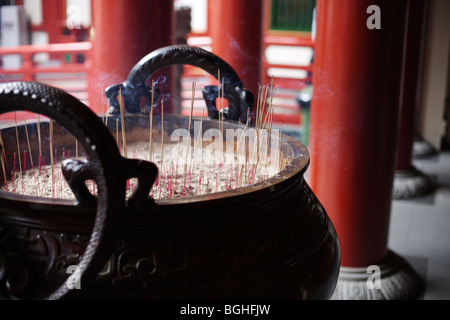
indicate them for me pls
(422, 149)
(410, 184)
(396, 280)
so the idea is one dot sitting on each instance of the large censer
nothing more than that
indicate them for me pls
(270, 239)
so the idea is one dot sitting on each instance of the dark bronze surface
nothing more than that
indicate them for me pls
(136, 87)
(270, 240)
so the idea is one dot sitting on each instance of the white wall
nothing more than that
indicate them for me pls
(14, 32)
(78, 13)
(33, 9)
(434, 89)
(199, 13)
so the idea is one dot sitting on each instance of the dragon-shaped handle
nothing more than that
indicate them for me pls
(103, 159)
(240, 99)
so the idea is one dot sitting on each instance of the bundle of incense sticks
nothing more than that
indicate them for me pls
(196, 177)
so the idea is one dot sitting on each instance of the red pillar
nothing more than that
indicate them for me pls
(411, 85)
(354, 121)
(236, 29)
(410, 182)
(125, 32)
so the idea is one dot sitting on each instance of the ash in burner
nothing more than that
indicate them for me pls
(211, 161)
(206, 171)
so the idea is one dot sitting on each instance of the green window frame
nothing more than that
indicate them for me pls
(292, 15)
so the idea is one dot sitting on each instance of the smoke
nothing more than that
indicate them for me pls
(100, 80)
(321, 88)
(241, 52)
(161, 80)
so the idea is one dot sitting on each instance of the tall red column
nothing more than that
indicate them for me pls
(409, 182)
(354, 126)
(124, 32)
(236, 29)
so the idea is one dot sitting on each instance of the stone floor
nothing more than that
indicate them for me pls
(419, 229)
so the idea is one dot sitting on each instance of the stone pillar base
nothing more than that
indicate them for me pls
(422, 149)
(394, 279)
(410, 184)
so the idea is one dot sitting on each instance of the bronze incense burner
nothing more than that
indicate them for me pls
(269, 240)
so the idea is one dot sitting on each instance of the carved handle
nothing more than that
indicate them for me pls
(103, 159)
(240, 99)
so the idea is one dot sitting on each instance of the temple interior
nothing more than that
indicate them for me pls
(362, 84)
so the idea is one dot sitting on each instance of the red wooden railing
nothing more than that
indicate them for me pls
(287, 110)
(65, 53)
(269, 40)
(66, 66)
(287, 41)
(71, 74)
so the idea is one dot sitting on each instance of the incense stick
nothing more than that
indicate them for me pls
(117, 132)
(122, 117)
(39, 135)
(188, 141)
(162, 131)
(150, 157)
(103, 107)
(272, 95)
(197, 142)
(18, 144)
(51, 154)
(162, 143)
(2, 154)
(29, 146)
(221, 100)
(108, 106)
